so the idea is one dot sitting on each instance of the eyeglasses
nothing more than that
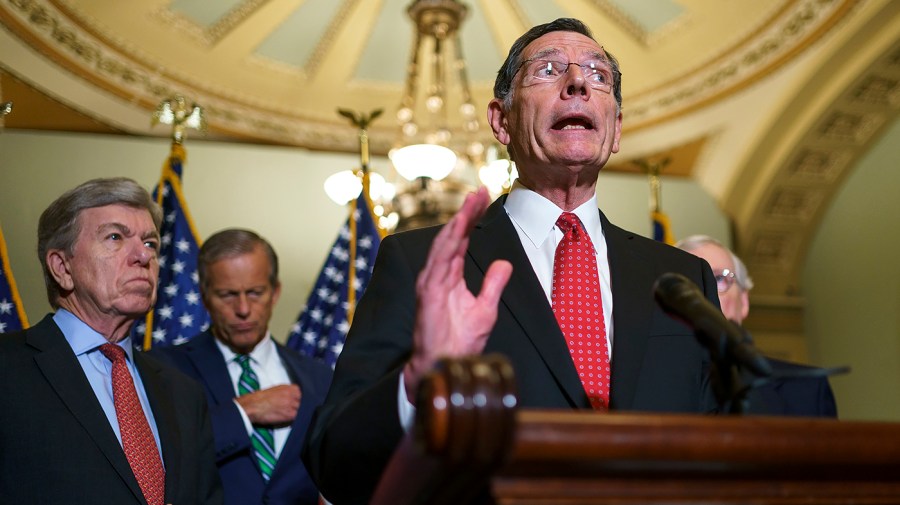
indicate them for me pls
(725, 280)
(597, 74)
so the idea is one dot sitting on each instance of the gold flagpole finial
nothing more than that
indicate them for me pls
(174, 111)
(362, 121)
(653, 168)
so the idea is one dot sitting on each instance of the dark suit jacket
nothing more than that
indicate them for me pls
(657, 364)
(290, 483)
(56, 444)
(792, 396)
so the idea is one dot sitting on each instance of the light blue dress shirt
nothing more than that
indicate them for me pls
(86, 342)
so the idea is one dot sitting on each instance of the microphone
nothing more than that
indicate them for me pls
(682, 299)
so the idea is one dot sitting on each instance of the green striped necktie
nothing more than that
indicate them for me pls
(263, 440)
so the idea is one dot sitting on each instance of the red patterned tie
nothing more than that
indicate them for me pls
(137, 439)
(579, 309)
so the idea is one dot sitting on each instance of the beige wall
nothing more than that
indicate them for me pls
(852, 287)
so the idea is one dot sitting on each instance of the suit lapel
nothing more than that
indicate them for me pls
(494, 238)
(61, 369)
(211, 365)
(631, 313)
(294, 443)
(165, 415)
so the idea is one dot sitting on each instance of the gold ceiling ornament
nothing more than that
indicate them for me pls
(174, 111)
(435, 157)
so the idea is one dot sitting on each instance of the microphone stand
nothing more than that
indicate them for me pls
(726, 375)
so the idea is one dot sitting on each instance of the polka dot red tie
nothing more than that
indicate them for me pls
(579, 309)
(137, 439)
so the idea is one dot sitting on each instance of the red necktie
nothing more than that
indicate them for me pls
(137, 439)
(579, 309)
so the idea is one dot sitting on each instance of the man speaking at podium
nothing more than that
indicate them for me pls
(540, 276)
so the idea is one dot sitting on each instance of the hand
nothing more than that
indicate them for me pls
(274, 406)
(450, 320)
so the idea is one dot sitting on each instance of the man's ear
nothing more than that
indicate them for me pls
(497, 118)
(60, 268)
(745, 304)
(276, 293)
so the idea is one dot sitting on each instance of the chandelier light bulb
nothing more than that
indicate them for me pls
(410, 129)
(434, 103)
(404, 115)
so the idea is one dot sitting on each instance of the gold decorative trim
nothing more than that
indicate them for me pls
(786, 36)
(334, 27)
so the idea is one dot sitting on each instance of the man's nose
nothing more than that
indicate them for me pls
(141, 253)
(575, 83)
(242, 305)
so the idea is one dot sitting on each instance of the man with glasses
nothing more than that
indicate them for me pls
(807, 396)
(539, 276)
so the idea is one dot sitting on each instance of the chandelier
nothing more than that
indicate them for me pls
(437, 151)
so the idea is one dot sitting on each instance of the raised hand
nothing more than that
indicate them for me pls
(451, 321)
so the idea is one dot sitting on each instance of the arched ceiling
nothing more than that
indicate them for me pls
(766, 103)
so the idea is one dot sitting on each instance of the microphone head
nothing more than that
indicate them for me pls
(670, 287)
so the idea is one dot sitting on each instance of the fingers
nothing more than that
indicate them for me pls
(452, 241)
(495, 281)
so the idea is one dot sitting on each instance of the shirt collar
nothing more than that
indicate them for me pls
(261, 354)
(81, 337)
(537, 215)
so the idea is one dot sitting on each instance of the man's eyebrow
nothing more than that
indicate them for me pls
(154, 234)
(550, 51)
(121, 228)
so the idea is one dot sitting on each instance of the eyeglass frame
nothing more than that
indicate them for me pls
(607, 87)
(726, 278)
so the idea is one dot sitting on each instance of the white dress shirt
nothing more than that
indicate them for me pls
(534, 218)
(270, 371)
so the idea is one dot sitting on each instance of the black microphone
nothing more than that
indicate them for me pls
(682, 299)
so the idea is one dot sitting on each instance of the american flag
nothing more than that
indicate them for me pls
(179, 313)
(662, 228)
(322, 326)
(12, 314)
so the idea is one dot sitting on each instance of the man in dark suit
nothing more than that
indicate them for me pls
(794, 390)
(557, 107)
(83, 418)
(239, 285)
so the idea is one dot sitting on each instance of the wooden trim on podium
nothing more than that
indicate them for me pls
(471, 445)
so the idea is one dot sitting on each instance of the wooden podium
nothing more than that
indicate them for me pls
(472, 445)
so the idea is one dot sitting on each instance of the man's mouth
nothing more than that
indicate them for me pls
(573, 123)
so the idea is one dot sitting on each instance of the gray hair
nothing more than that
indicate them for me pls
(740, 270)
(503, 84)
(59, 226)
(230, 243)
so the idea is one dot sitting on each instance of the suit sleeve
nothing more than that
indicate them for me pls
(355, 431)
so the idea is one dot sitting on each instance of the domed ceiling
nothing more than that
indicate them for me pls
(275, 71)
(766, 103)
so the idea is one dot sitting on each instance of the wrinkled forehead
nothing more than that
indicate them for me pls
(563, 45)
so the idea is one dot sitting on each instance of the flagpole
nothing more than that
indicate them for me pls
(662, 226)
(362, 122)
(174, 111)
